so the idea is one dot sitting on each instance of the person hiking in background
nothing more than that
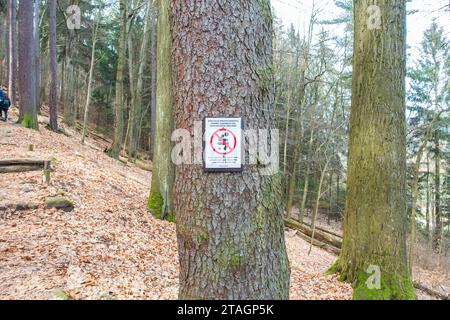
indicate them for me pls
(5, 103)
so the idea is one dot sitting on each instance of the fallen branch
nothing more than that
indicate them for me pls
(339, 236)
(325, 246)
(320, 235)
(15, 169)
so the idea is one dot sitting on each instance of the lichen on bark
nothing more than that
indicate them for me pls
(376, 209)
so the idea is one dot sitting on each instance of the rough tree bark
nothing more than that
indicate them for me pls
(28, 112)
(53, 67)
(229, 226)
(119, 100)
(161, 200)
(376, 209)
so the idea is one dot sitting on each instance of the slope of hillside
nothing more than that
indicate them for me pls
(109, 246)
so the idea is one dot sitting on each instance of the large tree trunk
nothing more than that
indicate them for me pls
(119, 100)
(12, 68)
(53, 67)
(161, 199)
(376, 210)
(27, 79)
(229, 226)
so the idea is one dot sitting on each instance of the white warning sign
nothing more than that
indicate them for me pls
(223, 144)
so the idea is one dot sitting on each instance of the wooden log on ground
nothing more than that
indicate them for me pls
(20, 168)
(325, 246)
(318, 235)
(339, 236)
(23, 165)
(19, 162)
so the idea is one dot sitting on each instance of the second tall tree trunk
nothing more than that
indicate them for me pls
(161, 194)
(374, 256)
(27, 79)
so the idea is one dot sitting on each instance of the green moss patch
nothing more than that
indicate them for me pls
(60, 203)
(59, 294)
(155, 205)
(29, 121)
(393, 287)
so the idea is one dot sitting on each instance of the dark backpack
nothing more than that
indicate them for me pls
(5, 103)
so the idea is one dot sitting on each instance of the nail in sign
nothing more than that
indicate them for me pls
(223, 144)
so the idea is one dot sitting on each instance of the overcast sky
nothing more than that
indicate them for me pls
(297, 12)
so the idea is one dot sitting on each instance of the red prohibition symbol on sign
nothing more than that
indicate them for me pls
(223, 142)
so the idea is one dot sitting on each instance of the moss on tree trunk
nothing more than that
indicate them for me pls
(160, 200)
(27, 79)
(376, 210)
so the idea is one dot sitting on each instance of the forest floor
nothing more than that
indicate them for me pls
(109, 246)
